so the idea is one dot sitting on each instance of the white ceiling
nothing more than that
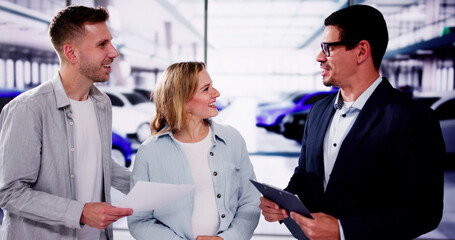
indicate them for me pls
(266, 24)
(139, 26)
(237, 24)
(23, 27)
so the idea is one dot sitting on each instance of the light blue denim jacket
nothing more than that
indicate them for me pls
(160, 159)
(37, 184)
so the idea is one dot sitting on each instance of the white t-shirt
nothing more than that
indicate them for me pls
(205, 219)
(87, 164)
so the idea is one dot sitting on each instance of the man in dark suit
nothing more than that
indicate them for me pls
(371, 159)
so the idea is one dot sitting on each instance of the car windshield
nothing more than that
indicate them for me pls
(116, 102)
(135, 98)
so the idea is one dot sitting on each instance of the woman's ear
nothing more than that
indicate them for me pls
(187, 109)
(364, 51)
(70, 53)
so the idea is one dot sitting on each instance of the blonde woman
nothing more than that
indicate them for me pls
(189, 148)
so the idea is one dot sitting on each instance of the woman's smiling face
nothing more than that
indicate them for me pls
(203, 103)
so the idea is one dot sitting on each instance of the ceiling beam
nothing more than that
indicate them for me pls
(19, 11)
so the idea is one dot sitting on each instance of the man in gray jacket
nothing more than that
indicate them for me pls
(56, 170)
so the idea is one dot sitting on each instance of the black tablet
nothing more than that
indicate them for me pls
(287, 201)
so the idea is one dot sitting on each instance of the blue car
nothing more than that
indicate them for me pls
(270, 115)
(121, 150)
(7, 95)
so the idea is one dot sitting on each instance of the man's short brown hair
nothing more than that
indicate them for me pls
(362, 22)
(69, 23)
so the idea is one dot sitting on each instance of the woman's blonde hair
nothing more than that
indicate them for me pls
(174, 89)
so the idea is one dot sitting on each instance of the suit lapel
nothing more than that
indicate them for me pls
(372, 109)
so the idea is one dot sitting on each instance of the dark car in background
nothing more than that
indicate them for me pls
(6, 95)
(445, 110)
(444, 106)
(293, 124)
(271, 115)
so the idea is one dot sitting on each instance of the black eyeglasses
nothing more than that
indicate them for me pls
(326, 46)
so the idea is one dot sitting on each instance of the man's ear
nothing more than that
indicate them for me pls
(364, 51)
(70, 52)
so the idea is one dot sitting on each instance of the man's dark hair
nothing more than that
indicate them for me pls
(69, 23)
(362, 22)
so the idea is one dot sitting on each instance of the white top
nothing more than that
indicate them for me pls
(87, 164)
(205, 218)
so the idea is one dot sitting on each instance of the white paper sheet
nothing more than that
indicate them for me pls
(146, 196)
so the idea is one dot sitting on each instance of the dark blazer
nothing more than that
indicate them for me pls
(387, 181)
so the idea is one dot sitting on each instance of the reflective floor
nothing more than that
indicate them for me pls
(274, 159)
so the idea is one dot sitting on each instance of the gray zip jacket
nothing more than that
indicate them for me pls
(37, 181)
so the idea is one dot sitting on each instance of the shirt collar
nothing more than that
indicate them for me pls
(218, 132)
(59, 91)
(360, 102)
(63, 100)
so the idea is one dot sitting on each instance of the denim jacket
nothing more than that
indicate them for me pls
(37, 184)
(160, 159)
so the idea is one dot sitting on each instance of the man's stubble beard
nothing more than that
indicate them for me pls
(91, 71)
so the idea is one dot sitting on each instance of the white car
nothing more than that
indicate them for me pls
(131, 113)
